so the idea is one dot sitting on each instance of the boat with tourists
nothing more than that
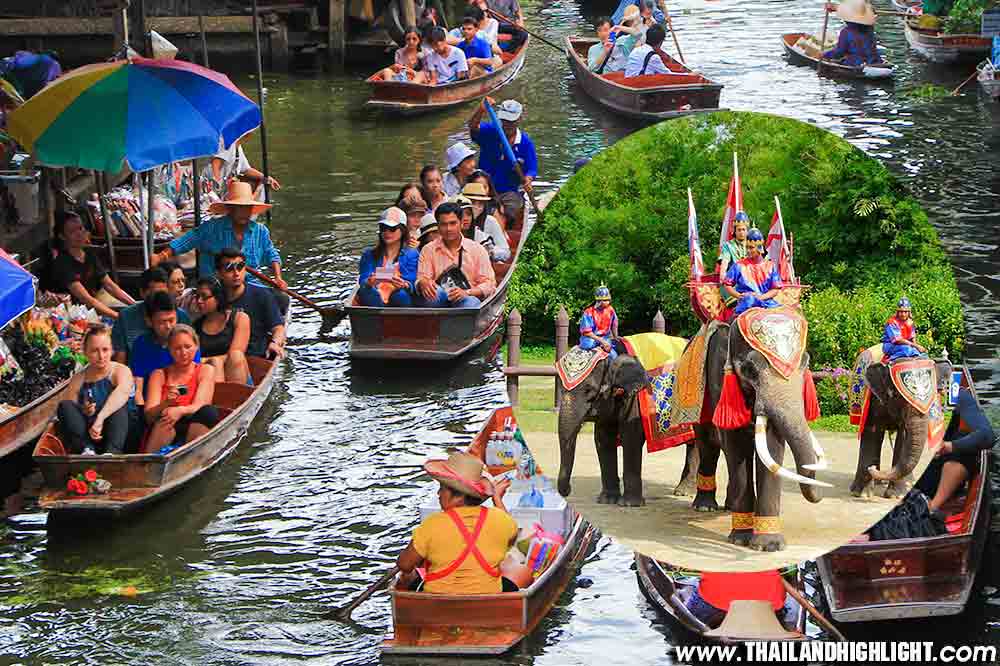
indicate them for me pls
(909, 578)
(410, 98)
(648, 97)
(943, 48)
(804, 49)
(431, 334)
(988, 79)
(141, 479)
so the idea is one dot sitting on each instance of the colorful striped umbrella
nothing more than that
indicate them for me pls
(17, 290)
(139, 111)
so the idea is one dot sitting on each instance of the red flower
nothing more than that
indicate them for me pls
(77, 486)
(90, 475)
(71, 485)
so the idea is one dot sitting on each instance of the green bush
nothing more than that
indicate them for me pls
(860, 239)
(832, 392)
(966, 16)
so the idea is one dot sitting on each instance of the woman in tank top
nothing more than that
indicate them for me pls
(224, 333)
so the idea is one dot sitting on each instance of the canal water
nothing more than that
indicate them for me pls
(240, 567)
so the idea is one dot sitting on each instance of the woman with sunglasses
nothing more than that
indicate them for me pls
(388, 271)
(224, 333)
(493, 206)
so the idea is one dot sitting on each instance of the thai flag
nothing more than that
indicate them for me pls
(777, 247)
(694, 242)
(734, 204)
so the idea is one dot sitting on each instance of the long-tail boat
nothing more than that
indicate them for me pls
(138, 480)
(23, 426)
(805, 54)
(407, 98)
(648, 97)
(483, 624)
(943, 48)
(431, 334)
(909, 578)
(668, 590)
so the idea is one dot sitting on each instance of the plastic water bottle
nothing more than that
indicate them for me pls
(533, 499)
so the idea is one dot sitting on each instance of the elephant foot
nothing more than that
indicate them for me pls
(608, 498)
(686, 487)
(768, 543)
(896, 489)
(741, 537)
(705, 501)
(632, 500)
(862, 489)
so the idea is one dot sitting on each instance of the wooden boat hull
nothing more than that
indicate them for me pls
(799, 56)
(481, 624)
(910, 578)
(415, 98)
(660, 589)
(26, 424)
(139, 480)
(945, 49)
(661, 97)
(427, 334)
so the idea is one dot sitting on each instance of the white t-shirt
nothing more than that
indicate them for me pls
(492, 237)
(487, 34)
(638, 57)
(448, 67)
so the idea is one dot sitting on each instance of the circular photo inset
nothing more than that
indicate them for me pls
(743, 294)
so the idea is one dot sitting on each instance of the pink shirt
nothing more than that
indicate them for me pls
(435, 258)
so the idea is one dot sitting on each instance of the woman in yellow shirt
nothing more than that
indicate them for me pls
(463, 548)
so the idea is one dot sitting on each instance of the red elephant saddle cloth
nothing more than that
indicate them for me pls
(779, 334)
(577, 364)
(916, 381)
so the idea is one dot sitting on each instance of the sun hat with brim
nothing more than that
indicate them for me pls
(456, 154)
(752, 620)
(392, 217)
(476, 192)
(414, 206)
(856, 11)
(461, 472)
(510, 110)
(428, 223)
(238, 194)
(462, 201)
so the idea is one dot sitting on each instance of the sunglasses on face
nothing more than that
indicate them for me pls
(383, 228)
(203, 297)
(234, 266)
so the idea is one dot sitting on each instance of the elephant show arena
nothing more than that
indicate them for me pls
(668, 529)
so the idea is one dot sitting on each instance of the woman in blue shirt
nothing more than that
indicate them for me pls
(391, 250)
(856, 43)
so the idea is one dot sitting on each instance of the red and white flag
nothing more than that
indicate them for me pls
(777, 246)
(734, 204)
(694, 242)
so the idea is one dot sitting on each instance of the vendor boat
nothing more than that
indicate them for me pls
(139, 480)
(23, 426)
(989, 79)
(407, 98)
(431, 334)
(483, 624)
(911, 578)
(668, 590)
(649, 97)
(801, 51)
(943, 48)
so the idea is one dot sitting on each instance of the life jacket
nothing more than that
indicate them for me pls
(470, 547)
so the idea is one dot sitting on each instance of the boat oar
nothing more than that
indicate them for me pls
(506, 19)
(670, 24)
(962, 85)
(344, 614)
(822, 39)
(331, 315)
(823, 622)
(510, 156)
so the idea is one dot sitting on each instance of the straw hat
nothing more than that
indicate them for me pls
(752, 620)
(238, 194)
(428, 223)
(856, 11)
(461, 472)
(462, 201)
(631, 14)
(476, 192)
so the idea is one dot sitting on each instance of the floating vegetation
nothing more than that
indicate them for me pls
(927, 91)
(89, 583)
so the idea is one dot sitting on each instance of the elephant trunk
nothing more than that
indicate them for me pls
(914, 432)
(760, 444)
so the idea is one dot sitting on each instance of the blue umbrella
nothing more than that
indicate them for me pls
(17, 290)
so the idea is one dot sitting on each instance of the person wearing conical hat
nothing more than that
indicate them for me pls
(440, 542)
(599, 323)
(856, 43)
(899, 337)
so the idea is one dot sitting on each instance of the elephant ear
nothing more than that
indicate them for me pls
(944, 369)
(878, 380)
(627, 374)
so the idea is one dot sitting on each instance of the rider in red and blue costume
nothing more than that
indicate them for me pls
(754, 280)
(899, 338)
(599, 323)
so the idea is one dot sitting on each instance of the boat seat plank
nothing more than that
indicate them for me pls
(229, 395)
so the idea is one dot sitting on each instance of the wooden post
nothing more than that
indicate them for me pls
(137, 25)
(335, 31)
(119, 23)
(108, 236)
(513, 354)
(562, 346)
(45, 190)
(659, 323)
(260, 101)
(204, 41)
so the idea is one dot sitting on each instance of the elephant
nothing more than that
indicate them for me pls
(777, 410)
(888, 410)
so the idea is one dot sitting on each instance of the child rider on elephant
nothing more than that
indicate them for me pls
(899, 339)
(599, 323)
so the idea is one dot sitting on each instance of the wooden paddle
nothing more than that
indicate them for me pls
(331, 315)
(510, 155)
(823, 622)
(670, 24)
(962, 85)
(344, 614)
(506, 19)
(822, 39)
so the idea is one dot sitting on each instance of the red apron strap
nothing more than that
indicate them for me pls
(470, 547)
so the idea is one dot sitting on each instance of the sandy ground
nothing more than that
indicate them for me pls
(668, 529)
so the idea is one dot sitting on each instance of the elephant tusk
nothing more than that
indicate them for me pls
(760, 444)
(820, 456)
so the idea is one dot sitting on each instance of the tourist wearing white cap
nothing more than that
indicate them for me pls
(388, 271)
(461, 163)
(493, 158)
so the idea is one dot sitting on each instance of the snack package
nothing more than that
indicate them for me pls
(9, 367)
(542, 549)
